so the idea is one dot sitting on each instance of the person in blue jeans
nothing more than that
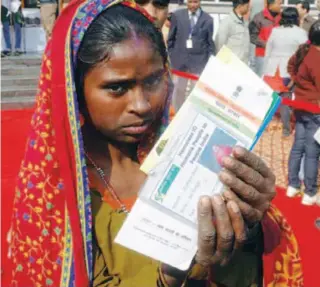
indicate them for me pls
(304, 144)
(304, 70)
(8, 19)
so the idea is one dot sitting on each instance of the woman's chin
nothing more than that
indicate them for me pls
(129, 139)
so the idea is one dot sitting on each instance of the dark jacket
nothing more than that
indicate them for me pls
(260, 30)
(12, 17)
(190, 60)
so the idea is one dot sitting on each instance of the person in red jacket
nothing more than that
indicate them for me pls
(260, 29)
(304, 70)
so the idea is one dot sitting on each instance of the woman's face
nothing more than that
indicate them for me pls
(125, 94)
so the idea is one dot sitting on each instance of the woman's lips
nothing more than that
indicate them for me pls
(136, 130)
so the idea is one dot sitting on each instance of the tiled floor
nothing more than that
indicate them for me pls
(275, 150)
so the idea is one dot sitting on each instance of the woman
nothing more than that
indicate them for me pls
(282, 44)
(305, 73)
(104, 99)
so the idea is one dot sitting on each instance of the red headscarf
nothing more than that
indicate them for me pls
(51, 228)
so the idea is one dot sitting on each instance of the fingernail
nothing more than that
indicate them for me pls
(227, 160)
(205, 202)
(218, 200)
(238, 150)
(227, 194)
(234, 206)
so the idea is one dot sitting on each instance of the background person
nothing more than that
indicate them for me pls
(306, 20)
(260, 29)
(305, 72)
(157, 9)
(11, 15)
(190, 42)
(48, 14)
(282, 44)
(190, 45)
(234, 32)
(256, 6)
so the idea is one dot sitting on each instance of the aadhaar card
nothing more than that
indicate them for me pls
(193, 172)
(226, 108)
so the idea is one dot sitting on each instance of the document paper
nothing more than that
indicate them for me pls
(229, 106)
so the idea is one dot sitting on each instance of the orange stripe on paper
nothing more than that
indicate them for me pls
(228, 103)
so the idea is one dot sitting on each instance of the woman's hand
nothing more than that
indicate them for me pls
(221, 230)
(222, 226)
(251, 184)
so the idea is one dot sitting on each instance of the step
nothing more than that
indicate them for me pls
(18, 92)
(19, 80)
(15, 70)
(28, 59)
(17, 103)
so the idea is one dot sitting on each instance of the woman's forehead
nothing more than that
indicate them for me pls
(134, 58)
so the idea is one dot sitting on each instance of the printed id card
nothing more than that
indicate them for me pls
(186, 161)
(189, 44)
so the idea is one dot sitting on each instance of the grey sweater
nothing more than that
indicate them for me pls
(282, 44)
(234, 33)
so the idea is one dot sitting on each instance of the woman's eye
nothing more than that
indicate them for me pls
(152, 82)
(116, 89)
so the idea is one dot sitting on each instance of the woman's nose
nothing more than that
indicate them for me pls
(139, 101)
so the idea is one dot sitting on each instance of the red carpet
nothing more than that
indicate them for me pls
(302, 219)
(15, 127)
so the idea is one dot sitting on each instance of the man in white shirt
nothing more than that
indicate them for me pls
(190, 44)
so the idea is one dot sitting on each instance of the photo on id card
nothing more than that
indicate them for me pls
(219, 146)
(193, 172)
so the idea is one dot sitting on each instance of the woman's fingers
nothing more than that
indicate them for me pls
(245, 191)
(245, 173)
(255, 162)
(225, 233)
(206, 232)
(250, 214)
(217, 240)
(251, 180)
(238, 224)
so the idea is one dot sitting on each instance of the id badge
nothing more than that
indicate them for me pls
(317, 136)
(189, 44)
